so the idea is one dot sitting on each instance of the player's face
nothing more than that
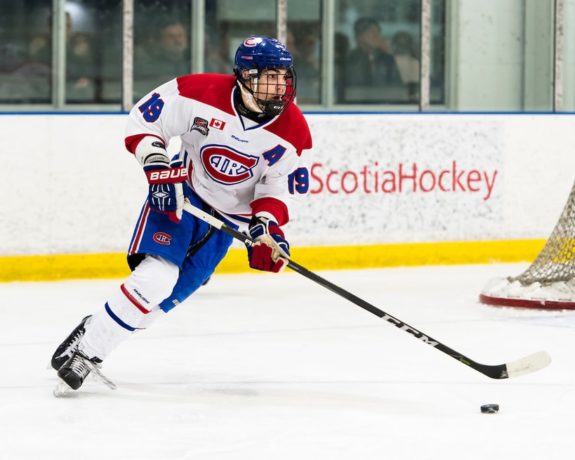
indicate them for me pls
(272, 84)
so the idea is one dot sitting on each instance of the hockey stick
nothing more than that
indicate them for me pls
(522, 366)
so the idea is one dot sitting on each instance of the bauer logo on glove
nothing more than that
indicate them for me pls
(166, 194)
(167, 176)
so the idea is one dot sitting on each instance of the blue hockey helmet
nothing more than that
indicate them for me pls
(259, 53)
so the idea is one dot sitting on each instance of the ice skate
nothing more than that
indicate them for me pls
(67, 348)
(74, 372)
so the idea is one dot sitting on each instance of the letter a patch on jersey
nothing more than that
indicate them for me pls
(217, 124)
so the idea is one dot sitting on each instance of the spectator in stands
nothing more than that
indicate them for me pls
(174, 43)
(29, 76)
(216, 49)
(371, 63)
(40, 49)
(40, 44)
(162, 58)
(303, 44)
(81, 69)
(405, 54)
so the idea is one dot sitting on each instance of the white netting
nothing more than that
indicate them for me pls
(556, 261)
(550, 279)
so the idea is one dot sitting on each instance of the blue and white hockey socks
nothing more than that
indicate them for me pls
(133, 307)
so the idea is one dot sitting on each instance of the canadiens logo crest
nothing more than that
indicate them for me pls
(251, 41)
(162, 238)
(226, 165)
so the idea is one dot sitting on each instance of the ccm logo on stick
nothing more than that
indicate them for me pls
(167, 176)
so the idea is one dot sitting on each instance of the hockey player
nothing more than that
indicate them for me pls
(242, 140)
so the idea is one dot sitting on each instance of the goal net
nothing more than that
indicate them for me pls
(549, 282)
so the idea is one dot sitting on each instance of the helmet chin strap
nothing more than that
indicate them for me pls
(249, 99)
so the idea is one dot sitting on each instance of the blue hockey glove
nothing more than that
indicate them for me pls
(270, 250)
(166, 193)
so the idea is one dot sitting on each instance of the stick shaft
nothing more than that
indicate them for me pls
(499, 371)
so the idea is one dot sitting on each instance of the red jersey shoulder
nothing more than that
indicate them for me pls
(211, 89)
(292, 126)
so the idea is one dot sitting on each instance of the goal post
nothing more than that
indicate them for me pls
(549, 282)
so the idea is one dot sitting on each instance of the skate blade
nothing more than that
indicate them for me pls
(62, 390)
(97, 375)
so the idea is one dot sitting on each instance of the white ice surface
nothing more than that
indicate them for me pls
(277, 367)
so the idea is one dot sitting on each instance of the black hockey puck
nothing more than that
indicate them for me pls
(490, 408)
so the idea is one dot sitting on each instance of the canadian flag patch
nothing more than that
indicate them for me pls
(218, 124)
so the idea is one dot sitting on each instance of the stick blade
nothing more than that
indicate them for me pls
(528, 364)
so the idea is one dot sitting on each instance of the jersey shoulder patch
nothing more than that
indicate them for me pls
(292, 126)
(210, 89)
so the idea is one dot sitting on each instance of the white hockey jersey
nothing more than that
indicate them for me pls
(235, 165)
